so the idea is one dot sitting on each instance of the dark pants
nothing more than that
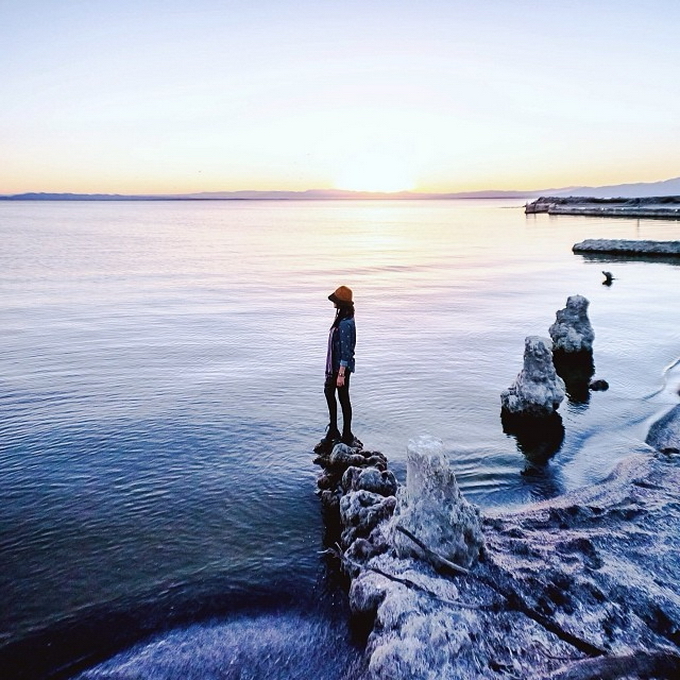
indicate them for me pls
(329, 389)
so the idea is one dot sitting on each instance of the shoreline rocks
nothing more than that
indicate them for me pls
(573, 336)
(581, 586)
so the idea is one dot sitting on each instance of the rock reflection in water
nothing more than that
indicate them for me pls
(576, 369)
(539, 438)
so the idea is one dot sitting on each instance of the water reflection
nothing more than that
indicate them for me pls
(576, 369)
(538, 438)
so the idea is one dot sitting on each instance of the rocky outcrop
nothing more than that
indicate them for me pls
(579, 587)
(537, 390)
(572, 330)
(414, 636)
(572, 336)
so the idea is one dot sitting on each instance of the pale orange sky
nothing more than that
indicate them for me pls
(161, 97)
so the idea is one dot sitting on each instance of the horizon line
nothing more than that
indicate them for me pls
(272, 194)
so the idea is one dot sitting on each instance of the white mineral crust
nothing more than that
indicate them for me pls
(432, 507)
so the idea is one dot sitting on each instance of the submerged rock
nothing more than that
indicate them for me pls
(598, 385)
(537, 390)
(572, 330)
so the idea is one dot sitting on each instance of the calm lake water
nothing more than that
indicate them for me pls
(161, 393)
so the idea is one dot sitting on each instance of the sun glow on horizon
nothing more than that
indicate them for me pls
(375, 174)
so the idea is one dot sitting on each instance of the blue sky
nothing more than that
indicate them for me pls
(147, 96)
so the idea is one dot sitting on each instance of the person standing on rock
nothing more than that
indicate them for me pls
(339, 367)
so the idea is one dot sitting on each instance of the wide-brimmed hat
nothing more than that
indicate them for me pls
(341, 296)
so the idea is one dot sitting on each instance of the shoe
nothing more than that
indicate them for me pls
(352, 441)
(328, 442)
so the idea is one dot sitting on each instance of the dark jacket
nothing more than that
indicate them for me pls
(344, 341)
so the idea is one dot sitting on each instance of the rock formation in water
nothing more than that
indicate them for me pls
(579, 587)
(572, 335)
(572, 330)
(537, 390)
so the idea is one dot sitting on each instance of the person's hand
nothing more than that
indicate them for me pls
(340, 382)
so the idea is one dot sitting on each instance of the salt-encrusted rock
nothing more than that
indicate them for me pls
(361, 511)
(372, 479)
(572, 331)
(590, 574)
(367, 591)
(363, 549)
(432, 507)
(664, 434)
(419, 633)
(427, 646)
(537, 390)
(342, 456)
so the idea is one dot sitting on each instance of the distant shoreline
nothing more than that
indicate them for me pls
(312, 195)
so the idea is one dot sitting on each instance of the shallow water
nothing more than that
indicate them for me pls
(162, 369)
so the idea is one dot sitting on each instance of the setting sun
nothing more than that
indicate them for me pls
(375, 174)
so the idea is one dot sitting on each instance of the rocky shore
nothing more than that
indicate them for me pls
(582, 586)
(664, 207)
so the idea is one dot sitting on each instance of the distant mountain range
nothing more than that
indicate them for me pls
(309, 195)
(670, 187)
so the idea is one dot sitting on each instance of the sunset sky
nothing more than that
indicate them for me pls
(158, 96)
